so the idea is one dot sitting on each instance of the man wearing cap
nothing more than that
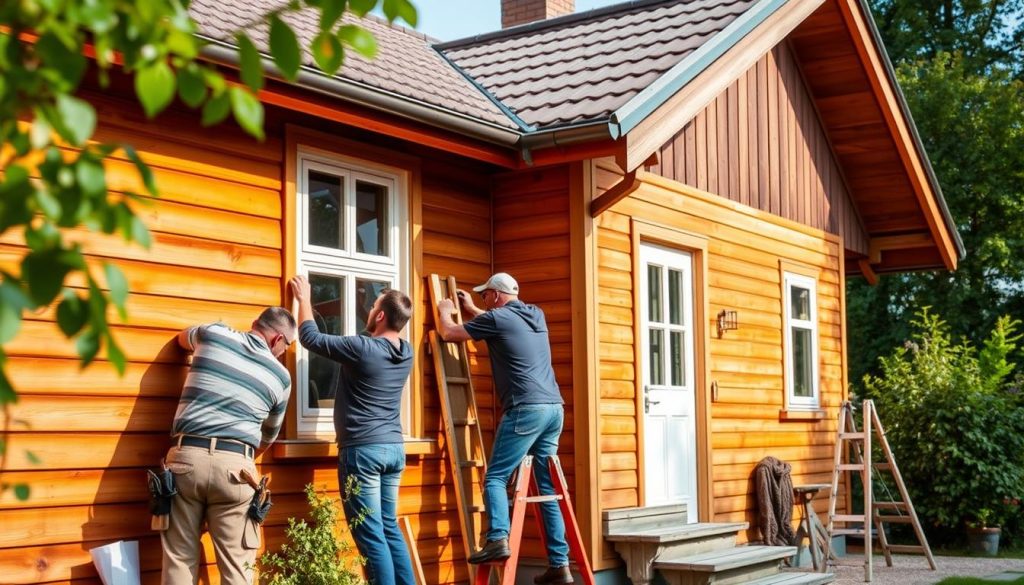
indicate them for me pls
(231, 407)
(517, 341)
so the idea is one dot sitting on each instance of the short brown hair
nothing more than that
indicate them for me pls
(397, 308)
(276, 319)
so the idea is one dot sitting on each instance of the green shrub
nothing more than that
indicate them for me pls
(955, 425)
(314, 553)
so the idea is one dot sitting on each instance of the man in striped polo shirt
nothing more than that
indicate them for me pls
(231, 408)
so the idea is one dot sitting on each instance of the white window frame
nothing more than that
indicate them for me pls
(395, 267)
(789, 323)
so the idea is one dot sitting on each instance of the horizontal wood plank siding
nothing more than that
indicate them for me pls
(761, 143)
(745, 248)
(217, 254)
(531, 242)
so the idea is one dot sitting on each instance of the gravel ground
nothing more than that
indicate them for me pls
(914, 570)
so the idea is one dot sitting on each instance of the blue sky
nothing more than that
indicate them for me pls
(448, 20)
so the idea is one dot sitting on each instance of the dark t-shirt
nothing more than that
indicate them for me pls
(368, 404)
(517, 341)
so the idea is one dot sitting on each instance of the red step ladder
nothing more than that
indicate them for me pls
(526, 493)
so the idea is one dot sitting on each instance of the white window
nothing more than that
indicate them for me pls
(800, 340)
(351, 246)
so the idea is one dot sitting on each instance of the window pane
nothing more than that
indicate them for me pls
(654, 311)
(371, 218)
(657, 353)
(675, 297)
(325, 212)
(678, 349)
(803, 368)
(328, 297)
(800, 302)
(367, 292)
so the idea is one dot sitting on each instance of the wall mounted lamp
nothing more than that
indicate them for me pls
(727, 321)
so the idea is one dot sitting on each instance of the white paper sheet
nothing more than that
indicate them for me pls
(117, 562)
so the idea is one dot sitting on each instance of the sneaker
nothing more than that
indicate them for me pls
(554, 576)
(494, 550)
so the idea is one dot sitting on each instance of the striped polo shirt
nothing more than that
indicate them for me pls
(235, 389)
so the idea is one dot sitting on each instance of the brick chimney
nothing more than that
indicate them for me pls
(516, 12)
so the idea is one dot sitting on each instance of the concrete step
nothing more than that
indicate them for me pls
(795, 578)
(741, 564)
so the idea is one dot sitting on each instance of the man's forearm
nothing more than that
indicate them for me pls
(449, 330)
(305, 311)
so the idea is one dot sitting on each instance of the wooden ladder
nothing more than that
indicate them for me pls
(526, 493)
(897, 511)
(458, 409)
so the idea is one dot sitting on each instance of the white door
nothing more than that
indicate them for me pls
(668, 401)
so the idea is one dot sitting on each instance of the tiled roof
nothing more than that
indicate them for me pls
(584, 66)
(405, 64)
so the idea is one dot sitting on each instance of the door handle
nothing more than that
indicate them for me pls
(648, 402)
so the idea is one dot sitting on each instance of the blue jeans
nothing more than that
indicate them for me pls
(529, 429)
(377, 470)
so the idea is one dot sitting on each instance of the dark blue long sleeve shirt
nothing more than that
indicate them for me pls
(367, 407)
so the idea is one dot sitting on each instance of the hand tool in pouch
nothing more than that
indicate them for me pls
(162, 490)
(261, 501)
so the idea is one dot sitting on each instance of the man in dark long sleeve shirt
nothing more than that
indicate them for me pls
(367, 419)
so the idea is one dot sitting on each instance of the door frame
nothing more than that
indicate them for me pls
(648, 232)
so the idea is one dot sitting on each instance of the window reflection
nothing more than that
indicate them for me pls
(326, 210)
(328, 299)
(371, 218)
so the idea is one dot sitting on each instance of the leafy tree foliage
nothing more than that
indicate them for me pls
(985, 32)
(959, 64)
(956, 427)
(53, 183)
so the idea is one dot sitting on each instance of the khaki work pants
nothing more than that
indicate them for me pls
(210, 490)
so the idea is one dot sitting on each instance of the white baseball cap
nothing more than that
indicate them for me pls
(501, 282)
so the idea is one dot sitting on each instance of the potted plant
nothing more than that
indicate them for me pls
(983, 533)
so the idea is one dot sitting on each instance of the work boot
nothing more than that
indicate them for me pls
(494, 550)
(554, 576)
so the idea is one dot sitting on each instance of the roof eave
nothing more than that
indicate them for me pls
(901, 100)
(352, 91)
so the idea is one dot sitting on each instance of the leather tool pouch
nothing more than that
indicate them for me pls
(162, 490)
(260, 504)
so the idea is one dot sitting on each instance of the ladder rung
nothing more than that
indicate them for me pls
(890, 505)
(852, 436)
(851, 467)
(540, 499)
(465, 422)
(476, 509)
(456, 380)
(847, 532)
(896, 519)
(906, 548)
(471, 463)
(848, 518)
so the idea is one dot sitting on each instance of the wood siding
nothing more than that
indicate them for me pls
(745, 248)
(531, 242)
(217, 255)
(761, 143)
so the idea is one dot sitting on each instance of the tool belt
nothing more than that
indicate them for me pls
(162, 490)
(261, 501)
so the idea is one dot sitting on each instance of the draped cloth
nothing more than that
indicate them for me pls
(775, 501)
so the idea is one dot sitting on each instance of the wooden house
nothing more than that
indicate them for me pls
(652, 173)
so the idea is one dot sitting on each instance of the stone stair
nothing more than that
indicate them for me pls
(658, 540)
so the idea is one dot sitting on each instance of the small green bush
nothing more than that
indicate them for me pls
(314, 553)
(955, 425)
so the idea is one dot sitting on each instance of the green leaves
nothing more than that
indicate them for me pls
(284, 46)
(249, 59)
(154, 85)
(359, 39)
(216, 109)
(191, 87)
(248, 111)
(118, 286)
(77, 119)
(395, 9)
(328, 52)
